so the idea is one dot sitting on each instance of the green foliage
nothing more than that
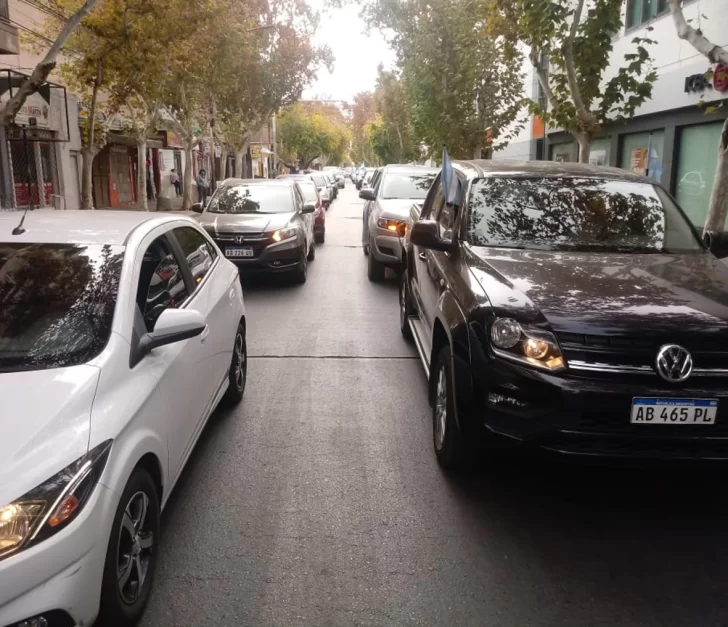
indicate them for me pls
(309, 132)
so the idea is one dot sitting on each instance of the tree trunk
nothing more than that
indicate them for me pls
(239, 153)
(87, 160)
(187, 190)
(142, 172)
(585, 142)
(718, 207)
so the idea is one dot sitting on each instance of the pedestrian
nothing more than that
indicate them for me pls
(203, 187)
(174, 179)
(150, 184)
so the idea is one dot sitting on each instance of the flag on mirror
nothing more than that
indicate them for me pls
(450, 181)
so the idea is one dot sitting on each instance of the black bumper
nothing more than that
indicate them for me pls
(589, 416)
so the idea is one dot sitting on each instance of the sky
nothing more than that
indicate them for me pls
(357, 54)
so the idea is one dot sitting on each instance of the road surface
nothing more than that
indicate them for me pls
(318, 501)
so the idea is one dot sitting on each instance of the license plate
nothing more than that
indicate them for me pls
(238, 252)
(674, 411)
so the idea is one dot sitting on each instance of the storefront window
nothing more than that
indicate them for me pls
(599, 154)
(564, 152)
(696, 163)
(642, 153)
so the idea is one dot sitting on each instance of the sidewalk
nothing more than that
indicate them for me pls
(151, 206)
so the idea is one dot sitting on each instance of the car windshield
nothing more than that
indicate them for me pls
(578, 214)
(57, 303)
(257, 198)
(319, 180)
(308, 189)
(406, 185)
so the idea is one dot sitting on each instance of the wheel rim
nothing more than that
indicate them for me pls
(441, 408)
(135, 547)
(240, 361)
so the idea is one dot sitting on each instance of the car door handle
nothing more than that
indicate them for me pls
(205, 333)
(423, 256)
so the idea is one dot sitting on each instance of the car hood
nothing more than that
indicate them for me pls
(244, 222)
(45, 417)
(607, 293)
(397, 207)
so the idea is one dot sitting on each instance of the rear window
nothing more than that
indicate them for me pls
(257, 198)
(56, 303)
(582, 214)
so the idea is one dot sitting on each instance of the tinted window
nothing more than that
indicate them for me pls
(257, 198)
(404, 185)
(309, 191)
(161, 282)
(577, 214)
(56, 303)
(196, 250)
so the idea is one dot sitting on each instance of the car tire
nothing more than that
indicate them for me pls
(311, 252)
(365, 248)
(238, 374)
(448, 440)
(375, 269)
(405, 308)
(300, 275)
(136, 523)
(320, 237)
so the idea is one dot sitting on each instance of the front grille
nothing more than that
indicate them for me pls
(247, 237)
(257, 241)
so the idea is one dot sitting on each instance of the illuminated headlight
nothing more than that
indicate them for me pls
(396, 227)
(51, 506)
(529, 346)
(284, 234)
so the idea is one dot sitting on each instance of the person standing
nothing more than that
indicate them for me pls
(174, 179)
(203, 187)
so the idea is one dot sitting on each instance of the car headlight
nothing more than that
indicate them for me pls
(396, 227)
(529, 346)
(51, 506)
(284, 234)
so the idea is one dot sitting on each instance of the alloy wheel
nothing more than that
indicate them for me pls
(134, 548)
(240, 361)
(441, 408)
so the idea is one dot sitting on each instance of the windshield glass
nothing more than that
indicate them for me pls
(56, 303)
(577, 214)
(319, 180)
(407, 185)
(308, 189)
(253, 199)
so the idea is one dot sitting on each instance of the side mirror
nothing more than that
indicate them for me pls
(308, 207)
(197, 207)
(717, 243)
(426, 233)
(172, 326)
(367, 193)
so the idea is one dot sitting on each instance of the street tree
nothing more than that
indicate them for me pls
(362, 112)
(718, 205)
(392, 134)
(570, 45)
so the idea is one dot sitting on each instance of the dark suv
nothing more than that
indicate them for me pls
(569, 307)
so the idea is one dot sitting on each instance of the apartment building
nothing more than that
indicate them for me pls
(671, 138)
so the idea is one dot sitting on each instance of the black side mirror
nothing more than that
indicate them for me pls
(426, 233)
(197, 207)
(308, 207)
(367, 193)
(717, 243)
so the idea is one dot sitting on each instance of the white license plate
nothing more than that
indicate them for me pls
(238, 252)
(673, 411)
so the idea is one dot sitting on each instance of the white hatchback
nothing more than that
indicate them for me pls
(120, 332)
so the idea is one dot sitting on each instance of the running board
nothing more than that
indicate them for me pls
(418, 344)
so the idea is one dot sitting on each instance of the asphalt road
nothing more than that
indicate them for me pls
(319, 502)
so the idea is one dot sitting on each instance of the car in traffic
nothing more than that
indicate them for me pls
(387, 213)
(322, 185)
(263, 226)
(338, 175)
(311, 195)
(108, 320)
(567, 308)
(331, 180)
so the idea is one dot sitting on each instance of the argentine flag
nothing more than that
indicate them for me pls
(450, 181)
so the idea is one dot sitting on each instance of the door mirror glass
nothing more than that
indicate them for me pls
(426, 233)
(172, 326)
(367, 193)
(308, 207)
(197, 207)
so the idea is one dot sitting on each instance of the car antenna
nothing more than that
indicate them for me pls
(19, 230)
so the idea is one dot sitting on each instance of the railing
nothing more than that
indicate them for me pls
(4, 11)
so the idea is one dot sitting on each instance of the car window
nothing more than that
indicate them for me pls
(308, 189)
(583, 214)
(407, 184)
(161, 282)
(56, 303)
(253, 198)
(196, 250)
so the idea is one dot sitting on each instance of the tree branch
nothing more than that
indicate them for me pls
(543, 78)
(568, 49)
(715, 54)
(41, 72)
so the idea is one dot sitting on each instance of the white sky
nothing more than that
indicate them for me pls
(356, 53)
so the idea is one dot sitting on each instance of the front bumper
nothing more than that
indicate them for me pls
(589, 416)
(63, 573)
(386, 247)
(273, 258)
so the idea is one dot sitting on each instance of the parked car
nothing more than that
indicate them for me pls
(311, 194)
(108, 320)
(396, 188)
(331, 180)
(368, 172)
(338, 175)
(262, 225)
(325, 188)
(570, 308)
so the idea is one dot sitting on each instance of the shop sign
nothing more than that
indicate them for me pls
(256, 150)
(173, 141)
(700, 82)
(34, 112)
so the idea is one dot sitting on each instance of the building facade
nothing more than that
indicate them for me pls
(673, 138)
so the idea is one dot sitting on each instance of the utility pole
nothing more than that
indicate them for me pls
(275, 142)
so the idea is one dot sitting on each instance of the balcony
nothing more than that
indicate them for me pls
(8, 32)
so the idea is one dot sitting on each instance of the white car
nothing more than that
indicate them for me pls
(120, 332)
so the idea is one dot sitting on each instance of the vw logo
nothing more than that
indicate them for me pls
(239, 239)
(674, 363)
